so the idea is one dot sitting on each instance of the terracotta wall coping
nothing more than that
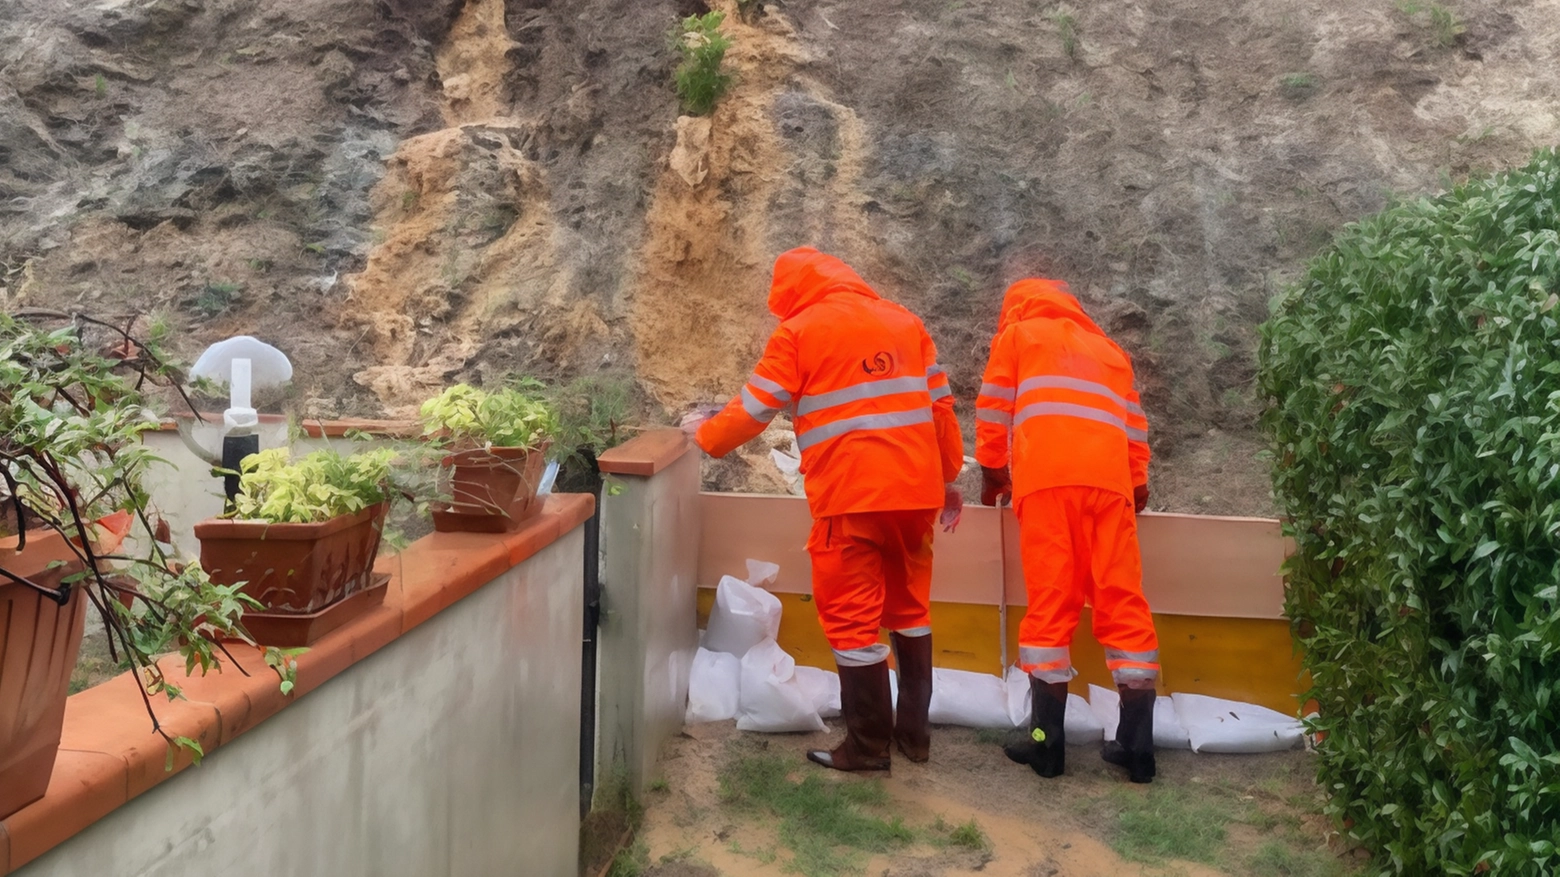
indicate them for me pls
(109, 753)
(646, 454)
(322, 428)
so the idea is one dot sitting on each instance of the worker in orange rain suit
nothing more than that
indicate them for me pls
(1060, 393)
(880, 449)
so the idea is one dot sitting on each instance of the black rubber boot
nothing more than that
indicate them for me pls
(1044, 747)
(1133, 747)
(912, 734)
(866, 701)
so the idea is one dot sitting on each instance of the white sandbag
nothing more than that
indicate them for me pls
(762, 573)
(973, 700)
(1079, 722)
(1082, 726)
(771, 698)
(1169, 733)
(1017, 682)
(1105, 703)
(1217, 725)
(823, 686)
(714, 682)
(1168, 730)
(743, 617)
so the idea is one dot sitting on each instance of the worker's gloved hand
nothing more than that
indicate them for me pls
(995, 485)
(697, 418)
(953, 508)
(1140, 497)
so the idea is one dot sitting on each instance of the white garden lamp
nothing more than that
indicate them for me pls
(244, 364)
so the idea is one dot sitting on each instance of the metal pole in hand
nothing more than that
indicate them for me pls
(1002, 605)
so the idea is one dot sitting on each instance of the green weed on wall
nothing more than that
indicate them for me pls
(1413, 383)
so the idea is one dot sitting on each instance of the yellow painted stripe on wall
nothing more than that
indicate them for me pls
(1249, 659)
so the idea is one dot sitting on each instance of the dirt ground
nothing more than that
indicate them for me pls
(1204, 815)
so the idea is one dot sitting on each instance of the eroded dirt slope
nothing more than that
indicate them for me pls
(402, 193)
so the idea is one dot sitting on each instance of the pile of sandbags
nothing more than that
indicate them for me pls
(740, 672)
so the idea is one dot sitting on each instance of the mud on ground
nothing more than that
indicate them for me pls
(1261, 813)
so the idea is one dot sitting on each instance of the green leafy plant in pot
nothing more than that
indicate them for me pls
(496, 446)
(301, 540)
(78, 528)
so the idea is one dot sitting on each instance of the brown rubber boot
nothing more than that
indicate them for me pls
(867, 704)
(911, 731)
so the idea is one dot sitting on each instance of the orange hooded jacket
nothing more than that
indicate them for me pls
(872, 409)
(1061, 395)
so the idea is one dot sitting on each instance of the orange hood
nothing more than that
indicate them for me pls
(1036, 298)
(804, 277)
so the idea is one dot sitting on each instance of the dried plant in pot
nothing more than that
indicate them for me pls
(72, 411)
(496, 444)
(301, 540)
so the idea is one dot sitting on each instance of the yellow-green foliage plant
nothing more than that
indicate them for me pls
(464, 416)
(1412, 380)
(322, 485)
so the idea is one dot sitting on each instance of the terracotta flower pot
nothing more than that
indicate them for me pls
(295, 569)
(39, 644)
(492, 490)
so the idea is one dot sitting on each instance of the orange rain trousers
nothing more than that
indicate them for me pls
(872, 570)
(1080, 543)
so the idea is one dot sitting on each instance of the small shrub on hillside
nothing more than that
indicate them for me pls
(1441, 22)
(699, 78)
(1413, 382)
(1066, 21)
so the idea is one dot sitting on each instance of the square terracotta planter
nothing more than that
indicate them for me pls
(298, 570)
(492, 490)
(39, 643)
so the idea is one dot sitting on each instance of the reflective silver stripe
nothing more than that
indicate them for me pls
(992, 415)
(1047, 663)
(941, 392)
(934, 369)
(876, 653)
(1060, 382)
(915, 631)
(770, 387)
(807, 439)
(756, 409)
(1068, 409)
(868, 390)
(1137, 435)
(1149, 657)
(1133, 677)
(1006, 394)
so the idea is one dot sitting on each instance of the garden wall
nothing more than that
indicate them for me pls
(437, 735)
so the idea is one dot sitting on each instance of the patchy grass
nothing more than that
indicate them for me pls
(969, 836)
(1277, 859)
(1066, 21)
(1168, 822)
(1298, 86)
(826, 823)
(631, 861)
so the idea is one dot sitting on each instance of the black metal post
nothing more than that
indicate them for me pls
(234, 449)
(588, 651)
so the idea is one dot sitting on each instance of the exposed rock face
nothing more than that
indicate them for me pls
(403, 193)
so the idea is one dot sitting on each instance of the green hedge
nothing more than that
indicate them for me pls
(1412, 379)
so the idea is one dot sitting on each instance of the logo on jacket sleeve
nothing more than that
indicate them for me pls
(880, 363)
